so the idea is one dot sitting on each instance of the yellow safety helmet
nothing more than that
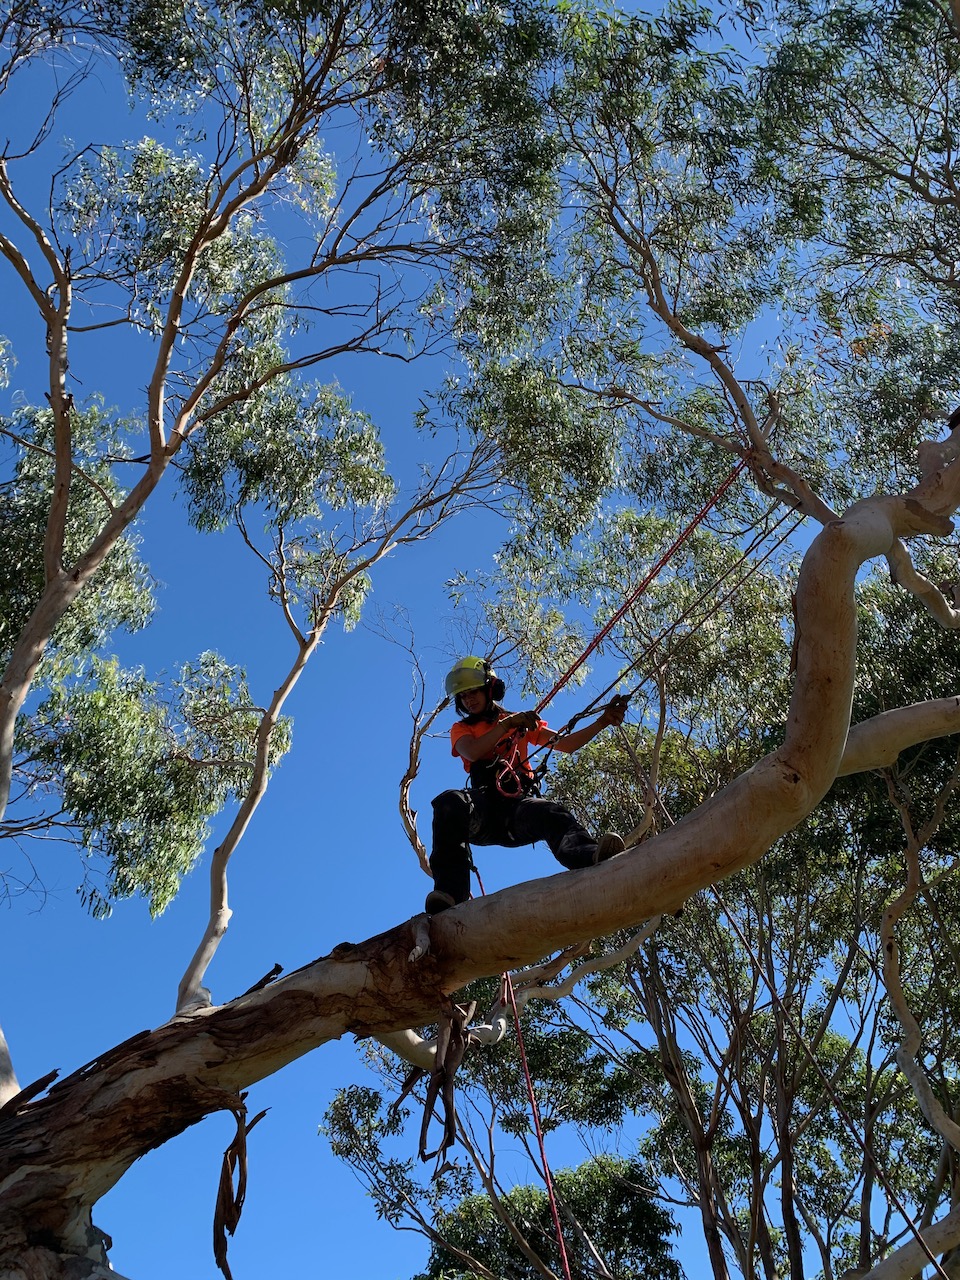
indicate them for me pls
(472, 672)
(469, 673)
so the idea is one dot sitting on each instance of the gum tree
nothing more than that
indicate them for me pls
(668, 256)
(760, 265)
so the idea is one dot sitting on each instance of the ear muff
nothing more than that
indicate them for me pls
(494, 683)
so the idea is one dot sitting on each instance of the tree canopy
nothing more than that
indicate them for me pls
(682, 278)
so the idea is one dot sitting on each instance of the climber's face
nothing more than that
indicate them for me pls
(474, 700)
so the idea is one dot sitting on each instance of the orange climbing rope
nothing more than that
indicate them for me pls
(535, 1112)
(638, 591)
(598, 639)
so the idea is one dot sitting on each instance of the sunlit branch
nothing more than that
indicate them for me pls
(191, 995)
(876, 743)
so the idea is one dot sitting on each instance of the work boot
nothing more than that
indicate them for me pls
(438, 901)
(608, 847)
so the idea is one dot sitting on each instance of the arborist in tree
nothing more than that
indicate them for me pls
(500, 805)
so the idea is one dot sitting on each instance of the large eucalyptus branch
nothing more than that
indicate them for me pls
(68, 1148)
(871, 745)
(909, 1261)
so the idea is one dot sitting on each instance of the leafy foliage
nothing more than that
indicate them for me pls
(303, 451)
(140, 774)
(122, 595)
(605, 1198)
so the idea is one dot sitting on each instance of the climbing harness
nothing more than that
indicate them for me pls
(513, 780)
(505, 774)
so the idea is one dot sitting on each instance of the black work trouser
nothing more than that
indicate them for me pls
(483, 816)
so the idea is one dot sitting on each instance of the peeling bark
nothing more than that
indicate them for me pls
(60, 1153)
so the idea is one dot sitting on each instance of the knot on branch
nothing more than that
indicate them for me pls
(923, 520)
(937, 462)
(421, 945)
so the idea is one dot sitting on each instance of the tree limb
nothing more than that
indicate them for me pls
(65, 1151)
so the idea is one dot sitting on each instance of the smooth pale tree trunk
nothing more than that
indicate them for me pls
(61, 1152)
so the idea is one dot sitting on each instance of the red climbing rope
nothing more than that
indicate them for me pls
(654, 644)
(535, 1112)
(508, 982)
(638, 591)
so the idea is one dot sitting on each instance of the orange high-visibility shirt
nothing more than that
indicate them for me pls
(539, 737)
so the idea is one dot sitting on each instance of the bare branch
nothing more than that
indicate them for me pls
(911, 1044)
(10, 250)
(932, 597)
(191, 995)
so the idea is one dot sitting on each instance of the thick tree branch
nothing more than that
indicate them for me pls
(64, 1151)
(876, 743)
(909, 1260)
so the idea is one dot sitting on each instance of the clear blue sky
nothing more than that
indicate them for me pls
(325, 860)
